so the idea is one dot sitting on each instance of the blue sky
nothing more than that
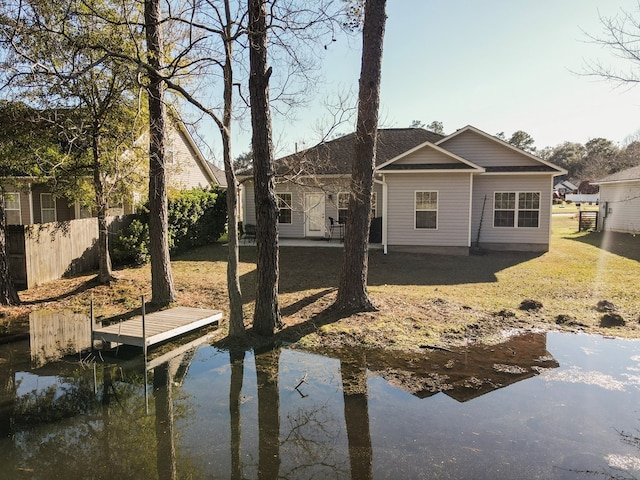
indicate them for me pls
(499, 65)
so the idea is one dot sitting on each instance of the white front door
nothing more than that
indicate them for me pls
(314, 210)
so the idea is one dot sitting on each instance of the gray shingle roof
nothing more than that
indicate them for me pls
(632, 173)
(334, 157)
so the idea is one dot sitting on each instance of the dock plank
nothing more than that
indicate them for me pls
(159, 326)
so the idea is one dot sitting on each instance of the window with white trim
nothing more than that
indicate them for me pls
(426, 210)
(47, 208)
(516, 209)
(284, 207)
(343, 206)
(12, 209)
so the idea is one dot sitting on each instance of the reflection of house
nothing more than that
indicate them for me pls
(431, 193)
(29, 200)
(620, 201)
(469, 372)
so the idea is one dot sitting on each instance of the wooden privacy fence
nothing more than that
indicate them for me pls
(43, 252)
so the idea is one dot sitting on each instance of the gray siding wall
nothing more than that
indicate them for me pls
(453, 209)
(331, 187)
(485, 152)
(425, 155)
(489, 184)
(623, 207)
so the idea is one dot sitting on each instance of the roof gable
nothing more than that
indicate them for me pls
(493, 153)
(428, 156)
(204, 166)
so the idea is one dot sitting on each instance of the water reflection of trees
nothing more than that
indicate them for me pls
(90, 421)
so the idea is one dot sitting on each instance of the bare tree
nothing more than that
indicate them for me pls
(162, 289)
(352, 289)
(266, 318)
(621, 35)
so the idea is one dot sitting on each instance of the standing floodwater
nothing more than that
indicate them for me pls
(548, 406)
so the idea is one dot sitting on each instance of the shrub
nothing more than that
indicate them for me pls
(131, 247)
(196, 217)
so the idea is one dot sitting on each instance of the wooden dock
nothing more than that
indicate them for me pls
(152, 328)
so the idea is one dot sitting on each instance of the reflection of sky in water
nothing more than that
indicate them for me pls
(27, 383)
(564, 419)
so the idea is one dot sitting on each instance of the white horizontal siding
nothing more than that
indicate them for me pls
(331, 187)
(186, 171)
(453, 209)
(487, 185)
(622, 201)
(486, 152)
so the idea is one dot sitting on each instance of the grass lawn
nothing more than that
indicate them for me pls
(422, 299)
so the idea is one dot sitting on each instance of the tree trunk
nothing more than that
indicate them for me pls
(105, 274)
(236, 358)
(352, 289)
(162, 289)
(266, 318)
(236, 320)
(356, 416)
(8, 292)
(267, 365)
(166, 448)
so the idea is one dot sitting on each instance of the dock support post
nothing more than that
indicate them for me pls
(144, 350)
(144, 333)
(91, 319)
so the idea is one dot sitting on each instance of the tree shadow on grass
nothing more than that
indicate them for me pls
(290, 333)
(83, 287)
(622, 244)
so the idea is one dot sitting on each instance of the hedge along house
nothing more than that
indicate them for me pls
(620, 201)
(432, 193)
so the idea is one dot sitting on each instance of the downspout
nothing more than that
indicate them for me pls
(385, 192)
(471, 211)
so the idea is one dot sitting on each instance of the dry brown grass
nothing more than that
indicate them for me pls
(422, 299)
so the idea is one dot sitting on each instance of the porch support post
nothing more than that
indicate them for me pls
(385, 196)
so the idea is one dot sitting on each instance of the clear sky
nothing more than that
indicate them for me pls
(499, 65)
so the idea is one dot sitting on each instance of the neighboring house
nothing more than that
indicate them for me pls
(29, 200)
(432, 193)
(620, 201)
(563, 187)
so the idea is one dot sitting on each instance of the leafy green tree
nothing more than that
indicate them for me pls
(436, 127)
(90, 98)
(523, 141)
(600, 159)
(569, 155)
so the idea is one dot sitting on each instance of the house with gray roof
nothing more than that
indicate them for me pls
(620, 201)
(432, 193)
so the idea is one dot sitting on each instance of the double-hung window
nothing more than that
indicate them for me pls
(47, 208)
(426, 210)
(12, 210)
(516, 209)
(284, 207)
(343, 206)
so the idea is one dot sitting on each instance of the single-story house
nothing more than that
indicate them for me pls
(29, 200)
(620, 201)
(432, 193)
(564, 187)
